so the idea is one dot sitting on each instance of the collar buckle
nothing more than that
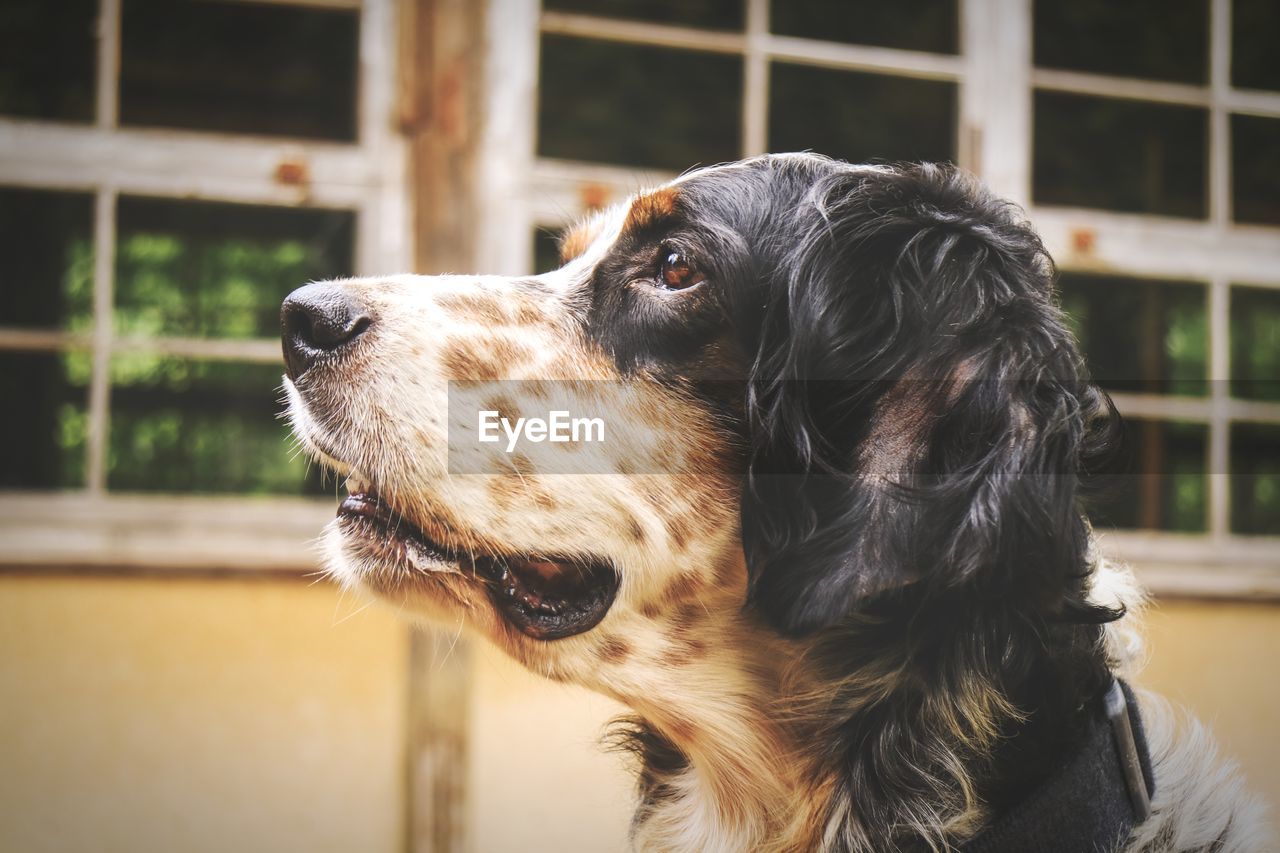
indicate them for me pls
(1117, 708)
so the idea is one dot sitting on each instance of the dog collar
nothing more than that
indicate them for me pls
(1093, 800)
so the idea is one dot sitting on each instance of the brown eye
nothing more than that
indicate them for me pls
(677, 273)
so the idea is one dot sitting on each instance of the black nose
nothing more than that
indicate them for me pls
(317, 320)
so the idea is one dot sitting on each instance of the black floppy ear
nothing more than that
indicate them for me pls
(915, 412)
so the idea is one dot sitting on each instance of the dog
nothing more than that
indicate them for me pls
(831, 551)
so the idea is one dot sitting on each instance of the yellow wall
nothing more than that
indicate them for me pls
(539, 780)
(163, 714)
(1220, 660)
(174, 715)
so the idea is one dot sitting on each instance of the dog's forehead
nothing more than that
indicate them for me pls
(719, 189)
(586, 242)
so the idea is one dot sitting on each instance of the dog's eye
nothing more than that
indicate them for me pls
(677, 271)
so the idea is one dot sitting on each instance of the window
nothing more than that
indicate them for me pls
(293, 72)
(1146, 156)
(1119, 154)
(47, 53)
(139, 221)
(1161, 128)
(1147, 39)
(1255, 377)
(172, 171)
(1148, 338)
(47, 244)
(1255, 160)
(1253, 27)
(669, 86)
(861, 117)
(53, 431)
(604, 108)
(928, 25)
(711, 14)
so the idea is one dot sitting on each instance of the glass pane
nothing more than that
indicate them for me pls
(711, 14)
(1254, 26)
(546, 251)
(48, 53)
(240, 68)
(1161, 483)
(931, 25)
(1115, 154)
(860, 117)
(1155, 39)
(46, 441)
(220, 270)
(1255, 169)
(182, 425)
(1255, 343)
(1140, 336)
(636, 105)
(46, 248)
(1255, 481)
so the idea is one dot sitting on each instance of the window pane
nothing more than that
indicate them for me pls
(48, 53)
(546, 251)
(1255, 169)
(220, 270)
(1255, 481)
(931, 25)
(182, 425)
(1254, 26)
(860, 117)
(1140, 336)
(1155, 39)
(636, 105)
(712, 14)
(1255, 343)
(1161, 483)
(1115, 154)
(239, 67)
(46, 259)
(45, 441)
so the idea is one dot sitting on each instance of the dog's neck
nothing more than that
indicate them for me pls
(855, 741)
(720, 768)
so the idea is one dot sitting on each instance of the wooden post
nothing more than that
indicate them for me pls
(439, 107)
(439, 699)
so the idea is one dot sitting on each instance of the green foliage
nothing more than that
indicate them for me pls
(228, 288)
(1255, 343)
(77, 286)
(184, 425)
(1138, 335)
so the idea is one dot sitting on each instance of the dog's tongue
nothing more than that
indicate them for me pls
(549, 599)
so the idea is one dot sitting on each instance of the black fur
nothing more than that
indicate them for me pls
(916, 423)
(916, 279)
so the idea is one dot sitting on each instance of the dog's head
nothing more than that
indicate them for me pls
(820, 385)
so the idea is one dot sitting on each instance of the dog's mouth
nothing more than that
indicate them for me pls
(546, 598)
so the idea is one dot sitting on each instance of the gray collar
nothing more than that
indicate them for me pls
(1093, 800)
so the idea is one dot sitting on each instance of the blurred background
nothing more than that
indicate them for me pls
(173, 676)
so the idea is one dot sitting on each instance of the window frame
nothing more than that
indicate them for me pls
(997, 80)
(94, 528)
(517, 192)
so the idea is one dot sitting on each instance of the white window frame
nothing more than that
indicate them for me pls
(996, 79)
(93, 528)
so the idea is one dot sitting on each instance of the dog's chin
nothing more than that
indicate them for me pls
(370, 545)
